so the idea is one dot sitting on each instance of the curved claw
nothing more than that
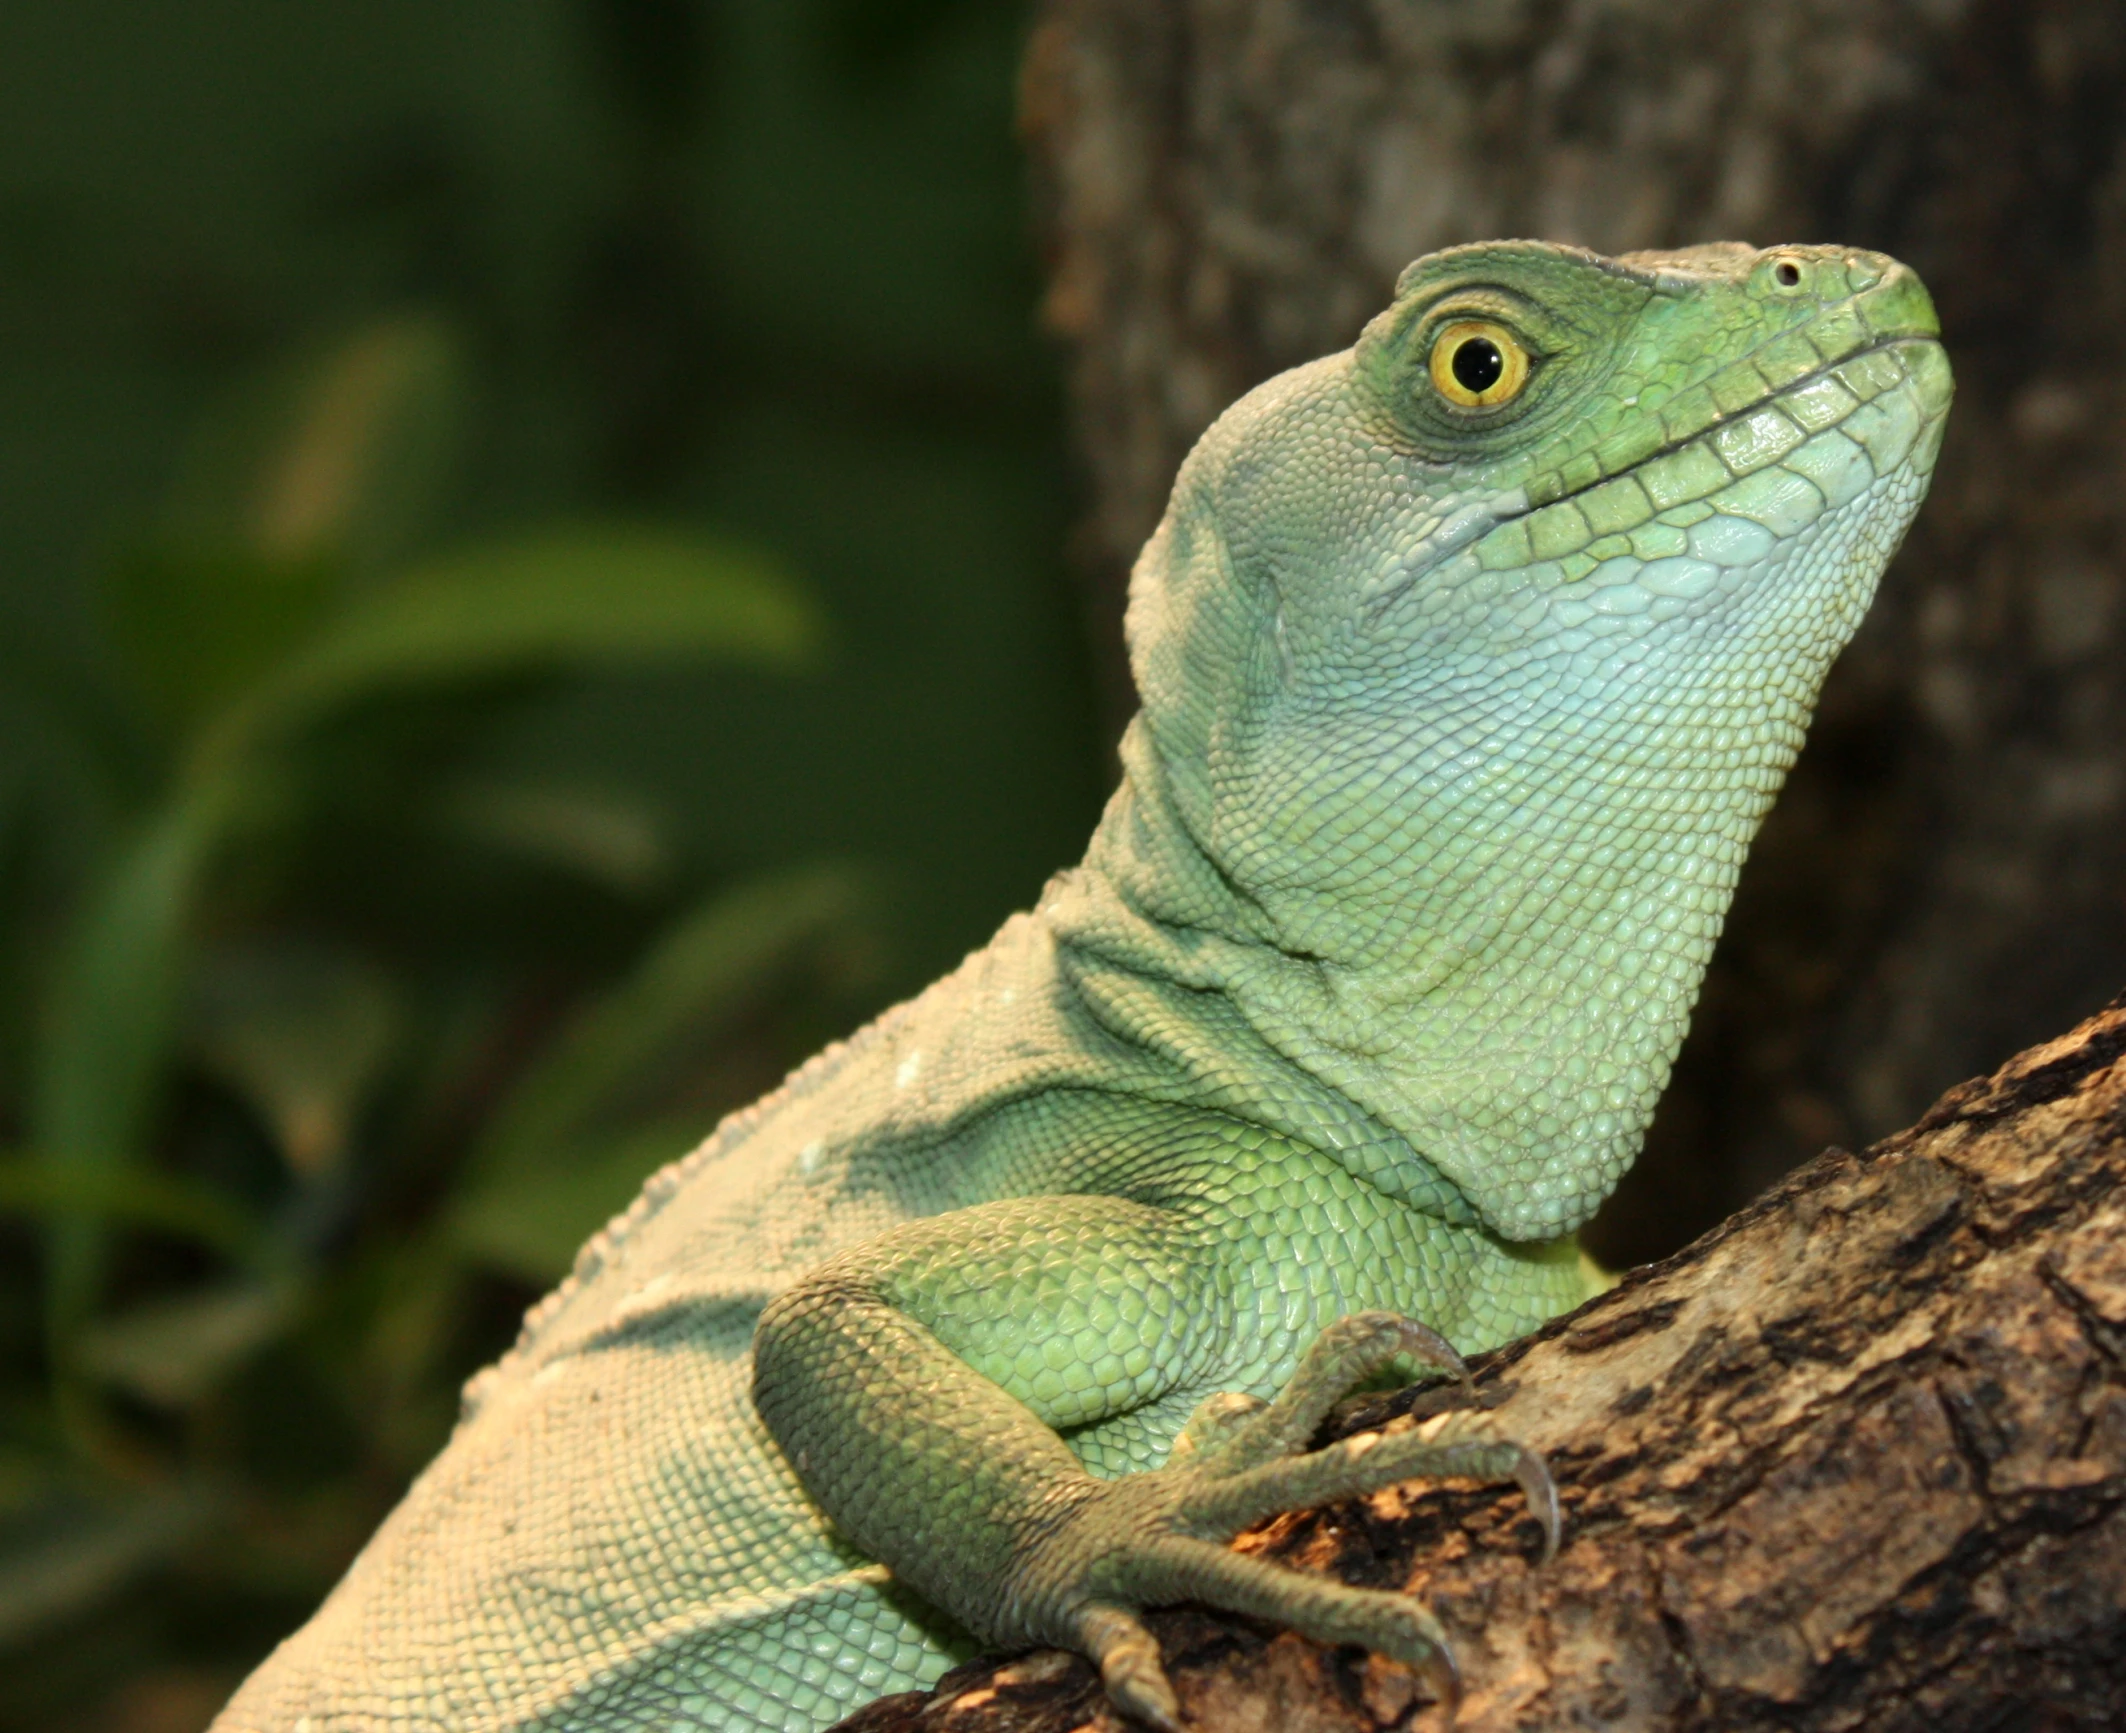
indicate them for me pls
(1443, 1678)
(1364, 1342)
(1128, 1658)
(1422, 1342)
(1541, 1491)
(1344, 1355)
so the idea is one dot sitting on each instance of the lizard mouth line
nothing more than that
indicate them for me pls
(1670, 447)
(1473, 525)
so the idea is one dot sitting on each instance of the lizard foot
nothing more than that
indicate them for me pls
(1156, 1538)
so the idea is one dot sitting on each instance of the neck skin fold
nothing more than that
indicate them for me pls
(1166, 952)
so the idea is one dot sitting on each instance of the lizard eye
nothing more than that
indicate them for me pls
(1476, 364)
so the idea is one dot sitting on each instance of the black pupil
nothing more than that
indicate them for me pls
(1477, 365)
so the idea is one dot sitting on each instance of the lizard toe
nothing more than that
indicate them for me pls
(1345, 1355)
(1182, 1569)
(1353, 1467)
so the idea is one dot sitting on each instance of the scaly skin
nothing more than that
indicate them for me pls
(1458, 719)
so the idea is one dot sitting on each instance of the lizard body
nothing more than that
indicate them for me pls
(1468, 673)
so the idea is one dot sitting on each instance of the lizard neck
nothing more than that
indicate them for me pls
(1158, 948)
(1481, 1027)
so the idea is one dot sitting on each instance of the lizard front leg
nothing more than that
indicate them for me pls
(917, 1384)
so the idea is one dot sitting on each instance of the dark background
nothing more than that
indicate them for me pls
(368, 929)
(753, 278)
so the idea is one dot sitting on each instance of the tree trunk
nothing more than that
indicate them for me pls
(1857, 1458)
(1230, 187)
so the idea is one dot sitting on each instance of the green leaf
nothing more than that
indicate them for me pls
(176, 1350)
(698, 971)
(138, 1197)
(416, 1306)
(110, 1017)
(529, 1223)
(612, 838)
(300, 1031)
(71, 1550)
(547, 1173)
(590, 597)
(62, 759)
(577, 598)
(338, 458)
(195, 626)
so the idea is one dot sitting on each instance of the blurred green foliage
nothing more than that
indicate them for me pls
(529, 599)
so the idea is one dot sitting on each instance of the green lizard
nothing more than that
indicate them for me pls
(1470, 660)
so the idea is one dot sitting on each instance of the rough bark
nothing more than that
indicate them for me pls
(1231, 187)
(1855, 1459)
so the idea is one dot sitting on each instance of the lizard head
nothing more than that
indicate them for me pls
(1472, 657)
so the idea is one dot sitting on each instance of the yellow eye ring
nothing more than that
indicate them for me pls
(1477, 365)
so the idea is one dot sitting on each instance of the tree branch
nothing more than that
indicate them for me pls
(1855, 1458)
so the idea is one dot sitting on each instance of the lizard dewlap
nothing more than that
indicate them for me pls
(1470, 660)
